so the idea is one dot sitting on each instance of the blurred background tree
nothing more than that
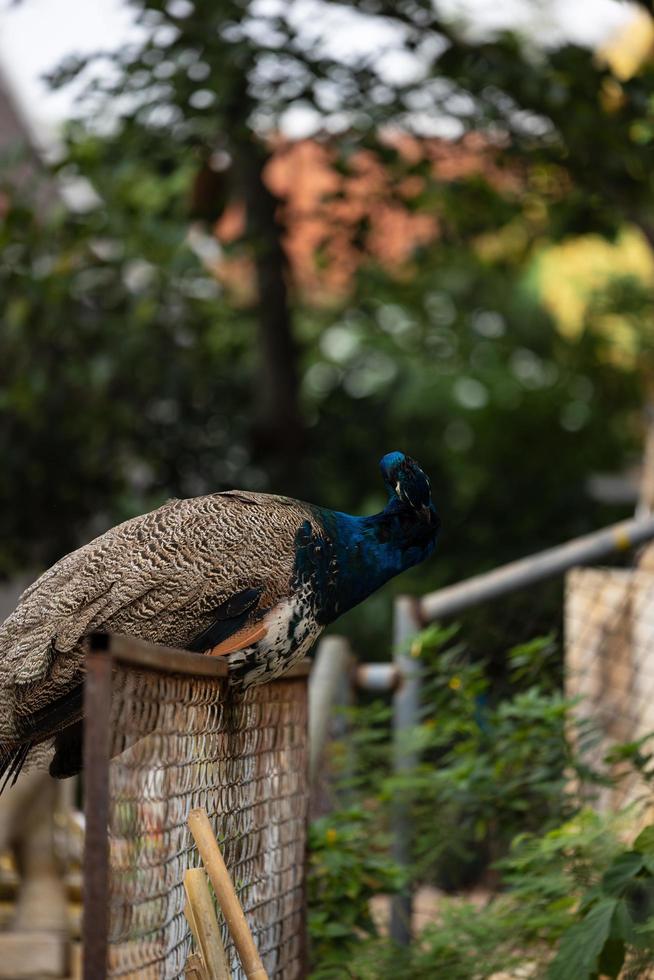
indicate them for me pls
(175, 335)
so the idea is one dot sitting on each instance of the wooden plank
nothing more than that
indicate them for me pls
(152, 656)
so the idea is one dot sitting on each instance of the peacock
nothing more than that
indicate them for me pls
(251, 577)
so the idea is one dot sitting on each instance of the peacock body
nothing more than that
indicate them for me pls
(248, 576)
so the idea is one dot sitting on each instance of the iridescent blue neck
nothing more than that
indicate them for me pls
(368, 551)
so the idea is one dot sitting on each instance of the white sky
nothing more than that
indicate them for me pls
(37, 34)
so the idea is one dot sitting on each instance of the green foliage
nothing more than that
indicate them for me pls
(490, 767)
(348, 865)
(517, 929)
(566, 896)
(116, 391)
(615, 920)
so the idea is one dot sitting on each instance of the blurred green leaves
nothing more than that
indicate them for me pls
(114, 387)
(569, 894)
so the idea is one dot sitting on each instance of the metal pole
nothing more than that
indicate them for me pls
(97, 717)
(645, 506)
(377, 678)
(527, 571)
(329, 687)
(406, 713)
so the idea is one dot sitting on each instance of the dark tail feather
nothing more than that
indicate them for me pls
(12, 761)
(58, 714)
(42, 724)
(69, 744)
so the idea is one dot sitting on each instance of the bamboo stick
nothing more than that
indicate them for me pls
(204, 926)
(194, 968)
(190, 918)
(207, 845)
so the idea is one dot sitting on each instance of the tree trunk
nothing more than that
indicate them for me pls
(278, 429)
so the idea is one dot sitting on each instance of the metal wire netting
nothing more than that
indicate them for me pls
(609, 630)
(180, 742)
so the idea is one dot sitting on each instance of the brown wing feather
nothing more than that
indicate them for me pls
(238, 641)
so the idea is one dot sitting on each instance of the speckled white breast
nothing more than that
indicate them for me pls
(291, 631)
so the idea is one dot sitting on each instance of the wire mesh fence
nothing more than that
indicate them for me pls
(179, 741)
(609, 629)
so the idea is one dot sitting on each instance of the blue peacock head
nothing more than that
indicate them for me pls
(357, 555)
(408, 486)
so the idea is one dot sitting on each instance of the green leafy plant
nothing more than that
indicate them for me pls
(615, 929)
(568, 898)
(491, 766)
(349, 864)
